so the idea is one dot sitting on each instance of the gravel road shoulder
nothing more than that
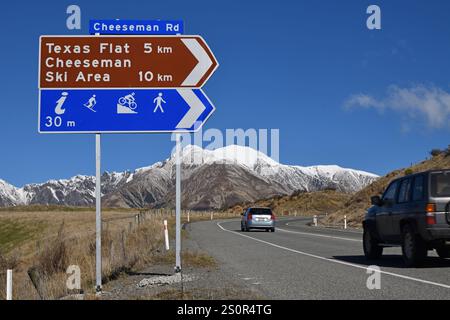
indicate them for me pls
(197, 283)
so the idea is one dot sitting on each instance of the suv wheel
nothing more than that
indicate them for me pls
(443, 251)
(371, 247)
(414, 249)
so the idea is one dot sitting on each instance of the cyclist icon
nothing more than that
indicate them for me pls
(128, 101)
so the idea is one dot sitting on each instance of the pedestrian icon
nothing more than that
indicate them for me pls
(127, 104)
(60, 102)
(91, 103)
(158, 100)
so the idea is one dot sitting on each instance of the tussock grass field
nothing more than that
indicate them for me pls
(39, 243)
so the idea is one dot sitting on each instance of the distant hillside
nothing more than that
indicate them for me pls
(357, 205)
(304, 203)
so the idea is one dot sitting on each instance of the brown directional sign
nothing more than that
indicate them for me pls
(124, 62)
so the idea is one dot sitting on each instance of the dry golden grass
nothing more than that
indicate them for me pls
(67, 237)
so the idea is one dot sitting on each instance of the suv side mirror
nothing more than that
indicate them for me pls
(376, 201)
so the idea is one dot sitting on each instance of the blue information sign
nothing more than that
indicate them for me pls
(140, 27)
(122, 110)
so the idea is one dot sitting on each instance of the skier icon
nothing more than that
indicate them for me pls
(91, 103)
(158, 100)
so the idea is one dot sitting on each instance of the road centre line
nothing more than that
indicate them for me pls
(319, 235)
(325, 228)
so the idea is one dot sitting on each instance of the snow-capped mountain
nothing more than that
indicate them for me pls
(10, 195)
(76, 191)
(210, 179)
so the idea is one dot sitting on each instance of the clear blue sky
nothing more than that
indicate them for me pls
(292, 65)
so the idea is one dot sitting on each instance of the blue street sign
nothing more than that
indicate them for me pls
(133, 27)
(122, 110)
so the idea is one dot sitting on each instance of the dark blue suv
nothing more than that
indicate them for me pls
(414, 212)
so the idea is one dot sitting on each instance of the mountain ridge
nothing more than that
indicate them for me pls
(245, 175)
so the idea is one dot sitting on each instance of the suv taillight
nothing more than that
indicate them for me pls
(249, 216)
(431, 213)
(273, 217)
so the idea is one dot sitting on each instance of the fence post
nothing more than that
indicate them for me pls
(166, 235)
(36, 278)
(9, 284)
(111, 254)
(345, 222)
(212, 214)
(124, 254)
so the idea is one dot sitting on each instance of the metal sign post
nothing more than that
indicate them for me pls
(178, 204)
(98, 215)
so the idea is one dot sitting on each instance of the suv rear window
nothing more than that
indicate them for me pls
(440, 184)
(418, 188)
(261, 211)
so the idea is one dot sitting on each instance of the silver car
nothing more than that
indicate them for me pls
(258, 218)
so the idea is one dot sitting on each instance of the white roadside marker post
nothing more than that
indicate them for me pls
(345, 222)
(212, 215)
(166, 235)
(188, 218)
(178, 205)
(315, 220)
(9, 285)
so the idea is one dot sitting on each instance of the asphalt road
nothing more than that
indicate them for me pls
(302, 262)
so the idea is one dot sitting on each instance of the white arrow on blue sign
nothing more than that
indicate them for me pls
(122, 110)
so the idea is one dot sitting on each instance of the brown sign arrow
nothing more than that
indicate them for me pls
(124, 62)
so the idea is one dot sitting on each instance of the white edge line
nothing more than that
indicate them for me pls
(337, 261)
